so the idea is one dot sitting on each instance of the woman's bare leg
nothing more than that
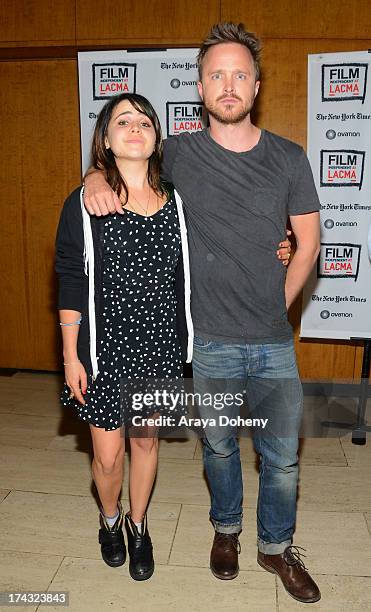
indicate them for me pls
(143, 468)
(108, 466)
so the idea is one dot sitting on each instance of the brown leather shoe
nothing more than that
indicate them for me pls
(224, 556)
(293, 573)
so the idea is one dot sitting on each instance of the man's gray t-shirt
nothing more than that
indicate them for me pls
(236, 207)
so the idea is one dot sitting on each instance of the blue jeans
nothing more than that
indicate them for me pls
(268, 374)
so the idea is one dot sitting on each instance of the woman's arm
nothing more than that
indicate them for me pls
(69, 254)
(69, 266)
(74, 371)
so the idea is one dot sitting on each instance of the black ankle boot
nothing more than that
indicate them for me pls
(141, 565)
(111, 539)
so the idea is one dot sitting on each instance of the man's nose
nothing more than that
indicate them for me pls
(229, 84)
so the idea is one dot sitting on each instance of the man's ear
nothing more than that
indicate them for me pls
(257, 85)
(200, 90)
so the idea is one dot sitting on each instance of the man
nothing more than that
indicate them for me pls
(239, 184)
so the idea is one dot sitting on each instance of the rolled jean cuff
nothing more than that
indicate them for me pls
(222, 528)
(272, 548)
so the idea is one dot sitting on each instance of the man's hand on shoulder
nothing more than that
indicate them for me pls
(99, 199)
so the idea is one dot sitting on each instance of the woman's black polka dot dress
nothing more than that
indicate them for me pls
(139, 315)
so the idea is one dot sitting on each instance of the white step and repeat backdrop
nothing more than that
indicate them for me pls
(167, 78)
(337, 299)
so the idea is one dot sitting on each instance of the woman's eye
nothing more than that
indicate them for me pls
(123, 122)
(146, 124)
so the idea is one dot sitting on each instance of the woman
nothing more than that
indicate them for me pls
(129, 316)
(123, 315)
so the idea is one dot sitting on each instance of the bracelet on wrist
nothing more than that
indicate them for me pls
(78, 322)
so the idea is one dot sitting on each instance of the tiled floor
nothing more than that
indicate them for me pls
(48, 526)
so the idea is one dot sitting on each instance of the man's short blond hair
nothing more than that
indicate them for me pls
(231, 32)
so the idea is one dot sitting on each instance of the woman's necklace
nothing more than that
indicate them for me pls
(144, 209)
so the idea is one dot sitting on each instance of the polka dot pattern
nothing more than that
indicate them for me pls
(139, 339)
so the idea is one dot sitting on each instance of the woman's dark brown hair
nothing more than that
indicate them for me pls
(103, 158)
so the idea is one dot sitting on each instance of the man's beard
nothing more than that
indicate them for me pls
(227, 116)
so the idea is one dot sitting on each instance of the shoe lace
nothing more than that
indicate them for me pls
(231, 538)
(292, 556)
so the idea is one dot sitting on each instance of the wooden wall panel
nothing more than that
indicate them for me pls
(158, 22)
(40, 165)
(34, 21)
(301, 18)
(325, 360)
(358, 361)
